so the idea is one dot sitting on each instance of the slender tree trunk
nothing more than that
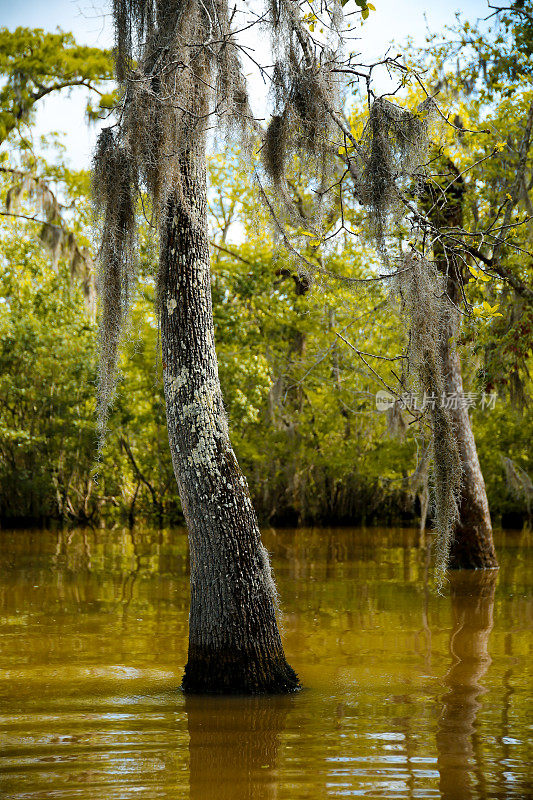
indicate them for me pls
(473, 545)
(234, 642)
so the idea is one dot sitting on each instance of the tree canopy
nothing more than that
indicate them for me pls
(35, 63)
(297, 364)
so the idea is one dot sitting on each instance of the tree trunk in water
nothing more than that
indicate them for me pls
(234, 642)
(473, 545)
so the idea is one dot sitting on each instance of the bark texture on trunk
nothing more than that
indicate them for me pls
(473, 545)
(234, 642)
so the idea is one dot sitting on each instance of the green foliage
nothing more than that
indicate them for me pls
(300, 400)
(505, 432)
(34, 63)
(485, 79)
(47, 369)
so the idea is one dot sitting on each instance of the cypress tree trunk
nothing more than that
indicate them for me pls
(473, 545)
(234, 642)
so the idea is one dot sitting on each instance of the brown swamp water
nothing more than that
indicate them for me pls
(408, 694)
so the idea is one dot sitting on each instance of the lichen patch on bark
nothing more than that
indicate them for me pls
(234, 641)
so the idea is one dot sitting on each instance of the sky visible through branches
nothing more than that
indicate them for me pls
(90, 22)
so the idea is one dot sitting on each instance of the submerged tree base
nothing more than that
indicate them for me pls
(237, 671)
(473, 548)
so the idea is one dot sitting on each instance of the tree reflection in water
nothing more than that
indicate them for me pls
(93, 632)
(472, 598)
(233, 746)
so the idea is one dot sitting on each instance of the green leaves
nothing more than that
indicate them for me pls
(479, 274)
(486, 311)
(34, 63)
(47, 370)
(365, 7)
